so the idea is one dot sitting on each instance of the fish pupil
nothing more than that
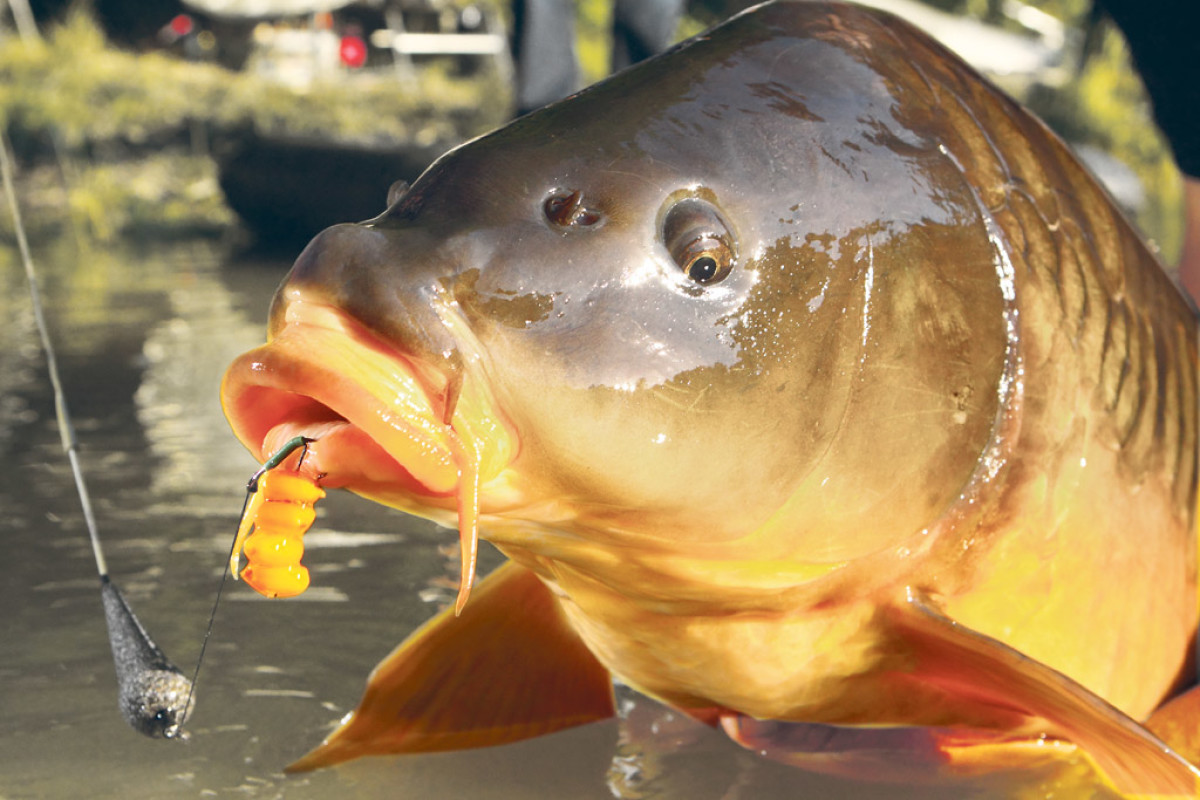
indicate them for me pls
(703, 269)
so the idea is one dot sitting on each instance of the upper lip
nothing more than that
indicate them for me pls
(324, 373)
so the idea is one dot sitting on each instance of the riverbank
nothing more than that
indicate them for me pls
(112, 142)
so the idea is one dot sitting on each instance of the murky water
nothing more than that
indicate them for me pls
(143, 338)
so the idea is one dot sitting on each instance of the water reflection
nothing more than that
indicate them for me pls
(182, 359)
(144, 335)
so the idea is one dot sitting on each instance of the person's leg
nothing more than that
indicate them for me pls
(642, 28)
(544, 52)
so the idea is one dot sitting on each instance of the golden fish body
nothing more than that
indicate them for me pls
(814, 380)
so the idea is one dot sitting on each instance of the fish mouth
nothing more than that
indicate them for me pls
(385, 425)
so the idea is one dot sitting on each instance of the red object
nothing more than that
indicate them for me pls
(353, 51)
(181, 25)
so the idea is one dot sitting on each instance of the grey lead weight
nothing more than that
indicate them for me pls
(154, 696)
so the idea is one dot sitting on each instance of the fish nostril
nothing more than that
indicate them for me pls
(565, 209)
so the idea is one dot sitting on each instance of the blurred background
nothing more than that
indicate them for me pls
(172, 159)
(209, 116)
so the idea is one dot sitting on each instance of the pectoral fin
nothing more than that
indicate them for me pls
(983, 671)
(509, 668)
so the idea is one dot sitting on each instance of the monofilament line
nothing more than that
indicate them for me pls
(66, 430)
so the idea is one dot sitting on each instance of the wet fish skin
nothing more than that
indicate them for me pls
(944, 402)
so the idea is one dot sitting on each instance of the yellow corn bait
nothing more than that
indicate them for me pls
(272, 530)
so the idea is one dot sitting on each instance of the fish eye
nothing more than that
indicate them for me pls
(699, 241)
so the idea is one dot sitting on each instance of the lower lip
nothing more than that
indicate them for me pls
(328, 380)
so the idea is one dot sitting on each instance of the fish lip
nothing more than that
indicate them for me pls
(370, 408)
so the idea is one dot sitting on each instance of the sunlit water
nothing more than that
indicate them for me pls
(143, 337)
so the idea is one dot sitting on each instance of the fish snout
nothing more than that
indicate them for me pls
(365, 357)
(391, 281)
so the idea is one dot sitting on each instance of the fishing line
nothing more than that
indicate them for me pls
(149, 686)
(212, 617)
(251, 487)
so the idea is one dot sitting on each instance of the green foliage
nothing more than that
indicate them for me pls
(122, 123)
(168, 192)
(593, 29)
(72, 83)
(87, 91)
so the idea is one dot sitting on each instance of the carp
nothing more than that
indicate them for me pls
(809, 384)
